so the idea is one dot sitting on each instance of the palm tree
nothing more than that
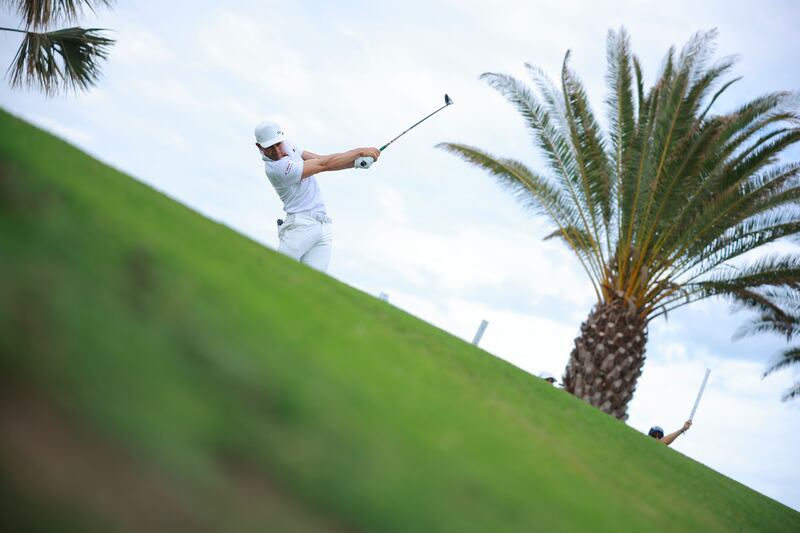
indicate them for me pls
(66, 58)
(657, 209)
(778, 306)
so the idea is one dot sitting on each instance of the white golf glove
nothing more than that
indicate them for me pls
(364, 162)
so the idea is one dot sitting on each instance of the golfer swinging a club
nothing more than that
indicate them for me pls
(305, 234)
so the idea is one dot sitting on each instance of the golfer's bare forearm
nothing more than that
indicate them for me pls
(328, 163)
(345, 159)
(668, 439)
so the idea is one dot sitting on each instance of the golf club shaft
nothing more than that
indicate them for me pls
(700, 394)
(412, 127)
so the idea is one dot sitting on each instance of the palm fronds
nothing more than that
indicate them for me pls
(778, 308)
(775, 271)
(68, 59)
(792, 393)
(573, 236)
(785, 359)
(59, 59)
(37, 14)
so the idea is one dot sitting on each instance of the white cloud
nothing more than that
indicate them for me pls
(138, 46)
(75, 135)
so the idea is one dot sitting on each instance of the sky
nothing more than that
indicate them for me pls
(188, 81)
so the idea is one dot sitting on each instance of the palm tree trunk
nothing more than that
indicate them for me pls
(608, 357)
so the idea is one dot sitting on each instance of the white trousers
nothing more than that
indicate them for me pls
(307, 238)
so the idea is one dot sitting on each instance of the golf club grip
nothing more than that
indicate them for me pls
(364, 162)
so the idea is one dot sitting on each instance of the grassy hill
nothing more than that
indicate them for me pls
(160, 372)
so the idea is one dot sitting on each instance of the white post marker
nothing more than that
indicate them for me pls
(700, 394)
(479, 333)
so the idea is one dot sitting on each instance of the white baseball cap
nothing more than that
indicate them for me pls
(268, 133)
(546, 376)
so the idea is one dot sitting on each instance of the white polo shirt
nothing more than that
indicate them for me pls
(298, 195)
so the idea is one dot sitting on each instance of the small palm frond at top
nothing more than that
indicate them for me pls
(37, 14)
(68, 59)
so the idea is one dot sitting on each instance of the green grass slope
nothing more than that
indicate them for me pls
(161, 372)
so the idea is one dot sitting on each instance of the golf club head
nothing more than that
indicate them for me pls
(447, 100)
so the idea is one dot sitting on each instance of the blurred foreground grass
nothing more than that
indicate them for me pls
(161, 372)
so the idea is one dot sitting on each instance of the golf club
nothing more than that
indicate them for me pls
(366, 162)
(700, 394)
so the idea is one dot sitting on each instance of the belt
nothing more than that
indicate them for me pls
(322, 218)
